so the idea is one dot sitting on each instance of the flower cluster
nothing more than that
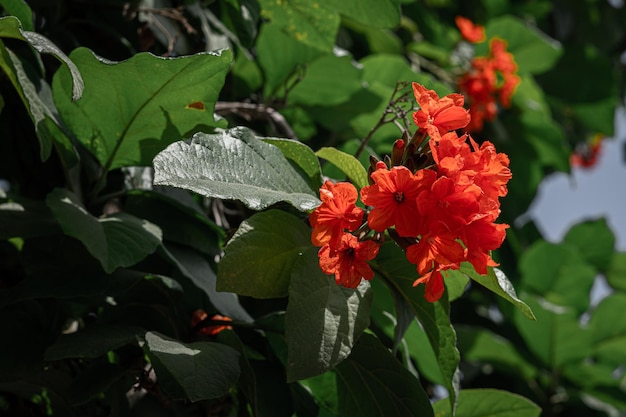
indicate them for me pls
(492, 78)
(437, 196)
(586, 154)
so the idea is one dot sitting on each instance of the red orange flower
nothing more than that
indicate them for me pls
(200, 315)
(337, 212)
(471, 32)
(491, 78)
(348, 262)
(393, 198)
(439, 115)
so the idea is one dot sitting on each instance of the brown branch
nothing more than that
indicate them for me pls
(250, 111)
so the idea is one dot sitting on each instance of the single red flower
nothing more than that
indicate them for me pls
(337, 213)
(480, 238)
(348, 262)
(436, 250)
(200, 315)
(586, 155)
(439, 115)
(471, 32)
(393, 198)
(434, 285)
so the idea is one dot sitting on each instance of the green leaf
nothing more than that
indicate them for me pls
(534, 52)
(10, 27)
(375, 13)
(279, 55)
(488, 403)
(615, 273)
(483, 346)
(302, 156)
(194, 371)
(600, 253)
(556, 337)
(497, 282)
(434, 317)
(260, 256)
(456, 282)
(603, 324)
(26, 219)
(21, 10)
(323, 320)
(557, 272)
(233, 164)
(312, 26)
(116, 241)
(328, 81)
(93, 341)
(348, 164)
(150, 102)
(372, 383)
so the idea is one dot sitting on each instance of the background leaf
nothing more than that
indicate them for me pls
(323, 320)
(489, 403)
(233, 164)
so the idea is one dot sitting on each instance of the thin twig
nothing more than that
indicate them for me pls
(251, 111)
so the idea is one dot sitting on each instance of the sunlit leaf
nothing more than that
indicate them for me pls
(348, 164)
(488, 403)
(497, 282)
(133, 109)
(234, 165)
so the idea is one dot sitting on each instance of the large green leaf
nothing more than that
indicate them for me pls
(260, 256)
(194, 371)
(323, 320)
(347, 163)
(534, 52)
(133, 109)
(93, 341)
(391, 263)
(372, 383)
(556, 337)
(312, 26)
(603, 324)
(497, 282)
(233, 164)
(488, 403)
(559, 273)
(600, 253)
(117, 240)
